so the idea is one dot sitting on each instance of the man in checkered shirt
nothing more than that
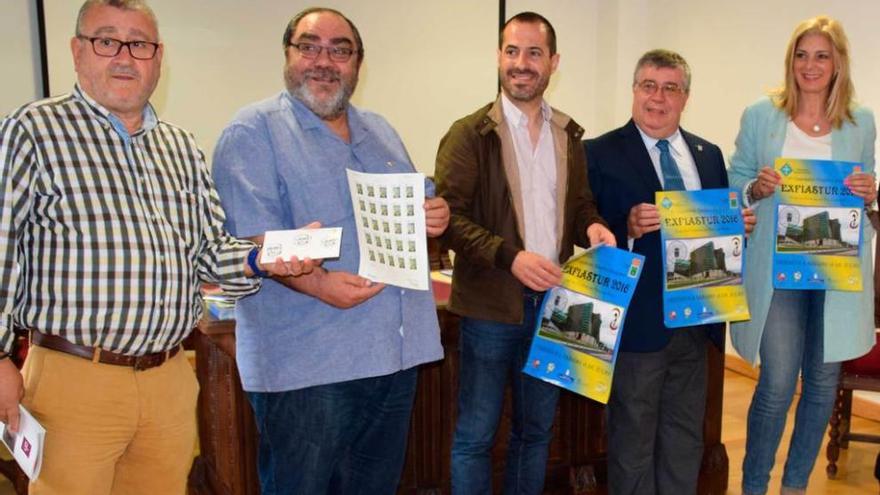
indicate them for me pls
(109, 223)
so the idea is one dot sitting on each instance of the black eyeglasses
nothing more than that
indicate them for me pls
(336, 53)
(110, 47)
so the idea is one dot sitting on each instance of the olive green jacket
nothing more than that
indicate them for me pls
(476, 172)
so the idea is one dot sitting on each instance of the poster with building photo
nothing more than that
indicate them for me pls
(818, 226)
(581, 321)
(390, 216)
(703, 244)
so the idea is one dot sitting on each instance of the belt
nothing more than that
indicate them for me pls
(98, 355)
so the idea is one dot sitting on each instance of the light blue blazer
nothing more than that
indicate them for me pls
(849, 316)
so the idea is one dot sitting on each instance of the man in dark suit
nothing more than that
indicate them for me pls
(658, 395)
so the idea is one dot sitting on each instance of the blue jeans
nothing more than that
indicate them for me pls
(342, 438)
(492, 355)
(792, 342)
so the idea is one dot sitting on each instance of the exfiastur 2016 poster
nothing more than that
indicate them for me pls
(703, 243)
(818, 226)
(581, 321)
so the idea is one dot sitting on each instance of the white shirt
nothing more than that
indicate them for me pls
(537, 174)
(678, 148)
(799, 144)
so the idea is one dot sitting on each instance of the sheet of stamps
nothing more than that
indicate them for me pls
(390, 215)
(702, 237)
(818, 226)
(581, 322)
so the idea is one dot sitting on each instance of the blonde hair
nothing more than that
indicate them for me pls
(838, 106)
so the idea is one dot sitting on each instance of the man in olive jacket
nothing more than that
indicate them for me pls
(514, 175)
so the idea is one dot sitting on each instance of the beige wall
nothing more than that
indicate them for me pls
(575, 89)
(426, 64)
(429, 63)
(19, 54)
(735, 50)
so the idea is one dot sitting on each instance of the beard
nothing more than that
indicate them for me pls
(527, 93)
(329, 106)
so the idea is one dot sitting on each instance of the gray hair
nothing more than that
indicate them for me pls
(294, 22)
(664, 59)
(137, 5)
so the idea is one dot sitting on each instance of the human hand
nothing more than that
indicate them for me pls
(345, 290)
(766, 183)
(11, 392)
(749, 220)
(862, 185)
(294, 267)
(642, 219)
(535, 271)
(599, 234)
(436, 216)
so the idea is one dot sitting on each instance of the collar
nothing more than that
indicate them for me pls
(519, 119)
(676, 140)
(494, 116)
(108, 120)
(307, 119)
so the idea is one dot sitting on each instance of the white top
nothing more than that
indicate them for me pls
(799, 144)
(678, 148)
(537, 174)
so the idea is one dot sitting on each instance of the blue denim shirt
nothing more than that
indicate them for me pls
(278, 166)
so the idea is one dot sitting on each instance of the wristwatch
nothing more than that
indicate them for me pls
(749, 190)
(252, 263)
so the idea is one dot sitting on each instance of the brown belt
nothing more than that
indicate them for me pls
(98, 355)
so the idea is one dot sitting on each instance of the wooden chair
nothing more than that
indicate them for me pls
(859, 374)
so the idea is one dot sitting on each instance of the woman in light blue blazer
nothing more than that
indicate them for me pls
(794, 332)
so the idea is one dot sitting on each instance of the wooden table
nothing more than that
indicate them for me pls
(577, 462)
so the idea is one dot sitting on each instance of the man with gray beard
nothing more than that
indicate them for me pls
(328, 360)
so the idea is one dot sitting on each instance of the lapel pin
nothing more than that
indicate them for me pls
(699, 147)
(390, 164)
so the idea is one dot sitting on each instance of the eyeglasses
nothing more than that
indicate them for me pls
(650, 87)
(110, 47)
(313, 51)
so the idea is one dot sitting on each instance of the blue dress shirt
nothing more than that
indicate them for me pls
(278, 166)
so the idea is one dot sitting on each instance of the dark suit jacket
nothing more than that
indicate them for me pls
(621, 175)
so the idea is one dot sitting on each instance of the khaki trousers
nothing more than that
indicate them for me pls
(111, 430)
